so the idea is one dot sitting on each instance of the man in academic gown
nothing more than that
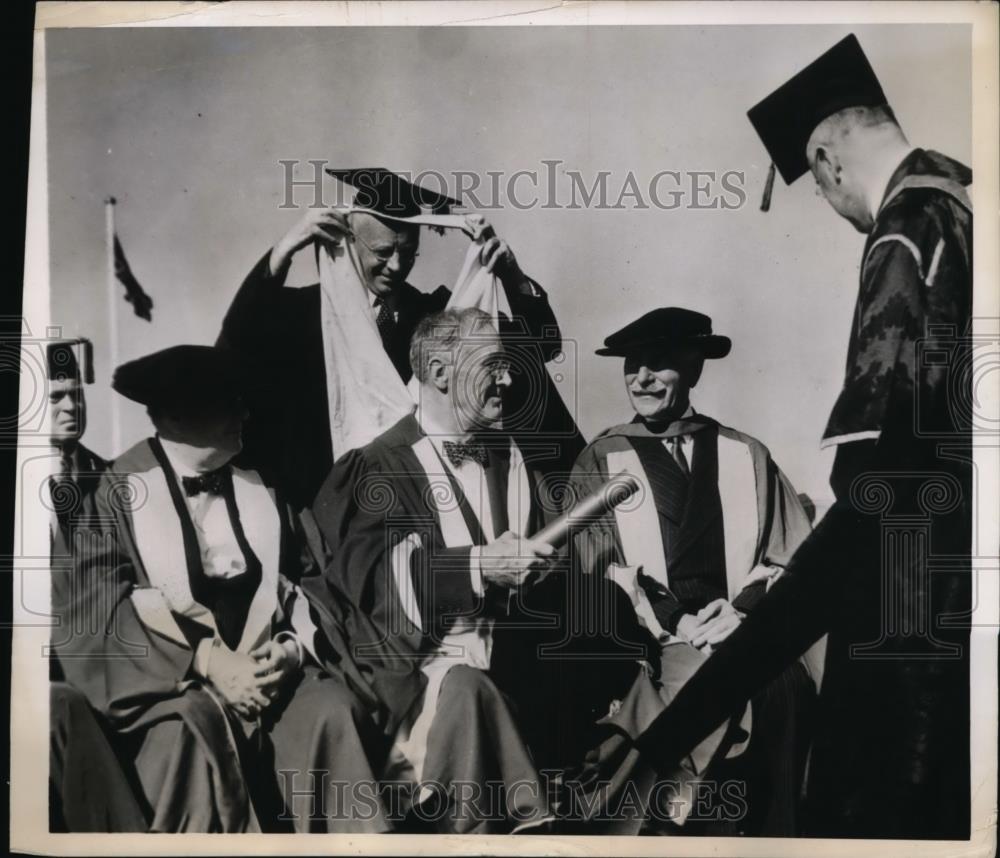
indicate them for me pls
(714, 527)
(88, 788)
(428, 527)
(278, 331)
(891, 754)
(192, 637)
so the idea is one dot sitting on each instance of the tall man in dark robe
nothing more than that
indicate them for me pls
(716, 523)
(891, 755)
(278, 330)
(192, 637)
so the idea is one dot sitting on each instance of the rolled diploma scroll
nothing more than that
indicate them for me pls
(615, 491)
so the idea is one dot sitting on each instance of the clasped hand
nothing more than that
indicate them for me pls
(329, 226)
(711, 625)
(250, 681)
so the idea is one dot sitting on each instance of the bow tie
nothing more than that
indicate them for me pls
(458, 453)
(213, 482)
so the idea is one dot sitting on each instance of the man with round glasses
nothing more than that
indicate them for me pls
(279, 329)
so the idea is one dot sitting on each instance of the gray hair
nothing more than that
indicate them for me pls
(841, 123)
(441, 334)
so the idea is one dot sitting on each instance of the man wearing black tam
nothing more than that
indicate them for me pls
(712, 529)
(278, 329)
(891, 755)
(211, 681)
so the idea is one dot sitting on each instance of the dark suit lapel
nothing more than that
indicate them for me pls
(669, 484)
(471, 519)
(702, 506)
(497, 478)
(411, 306)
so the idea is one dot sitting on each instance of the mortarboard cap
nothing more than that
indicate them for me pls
(785, 120)
(670, 327)
(70, 359)
(180, 375)
(385, 192)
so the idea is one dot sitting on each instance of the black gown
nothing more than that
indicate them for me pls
(886, 572)
(277, 331)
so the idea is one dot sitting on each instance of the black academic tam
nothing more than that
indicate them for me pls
(671, 327)
(180, 374)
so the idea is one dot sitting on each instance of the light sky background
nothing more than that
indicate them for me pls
(186, 127)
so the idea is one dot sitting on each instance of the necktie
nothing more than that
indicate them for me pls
(677, 451)
(62, 488)
(65, 474)
(459, 453)
(213, 482)
(384, 320)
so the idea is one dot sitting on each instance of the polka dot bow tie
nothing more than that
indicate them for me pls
(459, 453)
(213, 483)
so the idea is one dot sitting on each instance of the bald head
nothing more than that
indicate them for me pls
(849, 154)
(866, 123)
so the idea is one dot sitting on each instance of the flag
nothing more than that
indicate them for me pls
(141, 303)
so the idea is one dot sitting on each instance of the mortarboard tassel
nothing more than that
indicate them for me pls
(765, 203)
(87, 360)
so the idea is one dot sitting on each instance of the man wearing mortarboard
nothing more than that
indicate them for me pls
(88, 790)
(711, 531)
(891, 754)
(194, 640)
(280, 330)
(72, 485)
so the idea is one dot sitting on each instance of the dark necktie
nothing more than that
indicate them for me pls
(213, 482)
(458, 453)
(384, 320)
(677, 451)
(63, 489)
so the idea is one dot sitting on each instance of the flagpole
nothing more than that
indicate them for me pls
(109, 230)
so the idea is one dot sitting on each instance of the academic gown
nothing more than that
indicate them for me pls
(725, 530)
(891, 754)
(277, 330)
(398, 589)
(88, 789)
(136, 626)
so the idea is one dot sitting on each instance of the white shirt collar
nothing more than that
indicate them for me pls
(880, 184)
(689, 413)
(433, 430)
(179, 455)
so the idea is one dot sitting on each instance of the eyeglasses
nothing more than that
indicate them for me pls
(498, 369)
(384, 254)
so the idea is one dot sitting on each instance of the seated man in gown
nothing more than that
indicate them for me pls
(196, 643)
(713, 526)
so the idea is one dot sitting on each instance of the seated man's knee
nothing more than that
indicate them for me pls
(466, 685)
(334, 702)
(66, 701)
